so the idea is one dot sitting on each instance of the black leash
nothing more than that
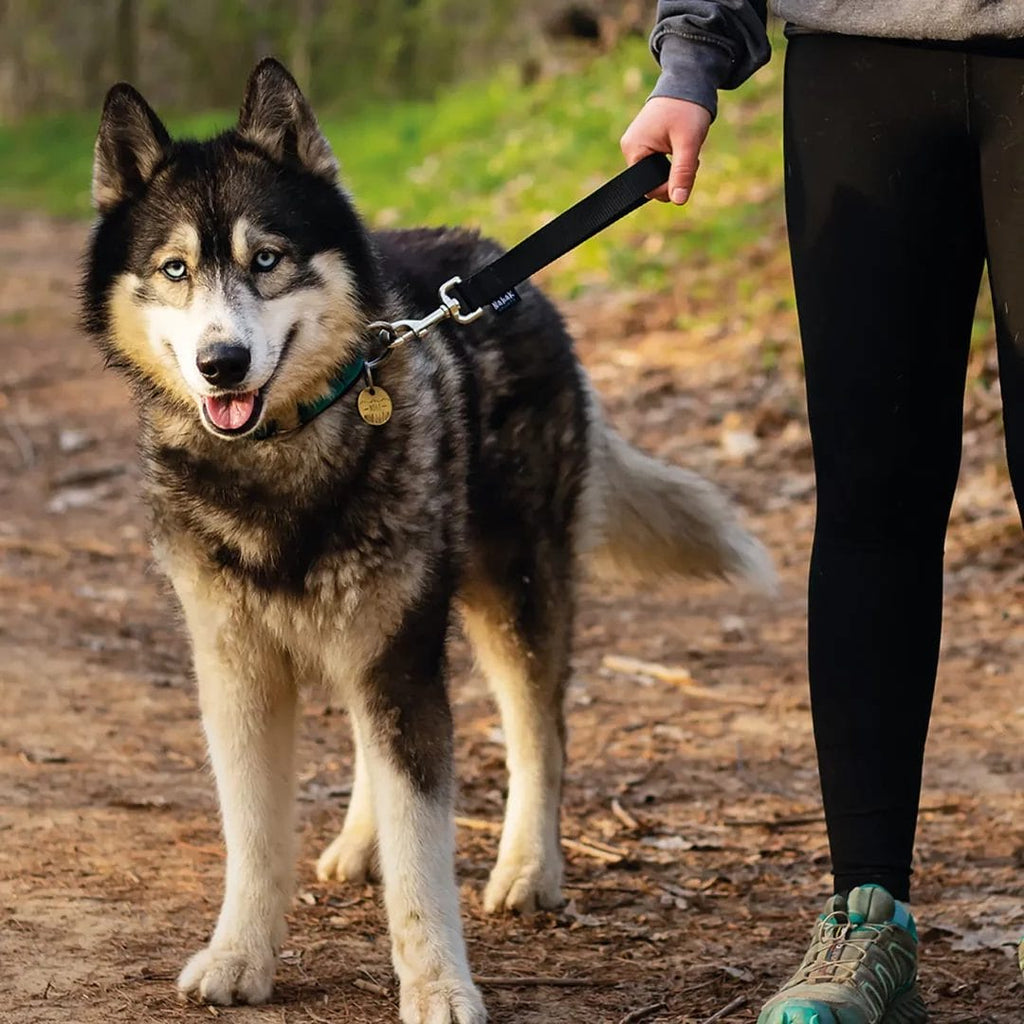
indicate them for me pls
(495, 284)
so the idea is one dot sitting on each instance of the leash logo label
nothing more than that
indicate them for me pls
(506, 301)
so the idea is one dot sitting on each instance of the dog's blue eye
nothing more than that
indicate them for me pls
(264, 260)
(175, 270)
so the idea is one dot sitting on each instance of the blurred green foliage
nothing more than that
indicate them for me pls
(503, 157)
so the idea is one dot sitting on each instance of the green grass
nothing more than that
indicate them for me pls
(498, 156)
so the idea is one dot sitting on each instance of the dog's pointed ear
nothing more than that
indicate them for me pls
(278, 118)
(131, 143)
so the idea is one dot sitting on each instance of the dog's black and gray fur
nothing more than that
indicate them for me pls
(335, 554)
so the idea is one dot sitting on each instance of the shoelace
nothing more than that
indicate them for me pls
(836, 936)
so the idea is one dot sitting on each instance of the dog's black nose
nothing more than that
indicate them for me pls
(223, 364)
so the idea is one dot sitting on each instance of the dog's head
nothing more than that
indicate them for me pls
(229, 277)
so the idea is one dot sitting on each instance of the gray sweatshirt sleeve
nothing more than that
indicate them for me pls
(707, 45)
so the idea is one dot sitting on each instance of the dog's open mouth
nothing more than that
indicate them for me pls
(232, 414)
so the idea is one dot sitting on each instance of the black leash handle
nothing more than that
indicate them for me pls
(495, 284)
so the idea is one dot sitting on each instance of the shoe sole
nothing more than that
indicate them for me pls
(908, 1009)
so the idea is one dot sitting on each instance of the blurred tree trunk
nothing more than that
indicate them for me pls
(126, 40)
(301, 50)
(13, 22)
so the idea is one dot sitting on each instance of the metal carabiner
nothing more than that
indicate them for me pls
(406, 329)
(452, 304)
(397, 332)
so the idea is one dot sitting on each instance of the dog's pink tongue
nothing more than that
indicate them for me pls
(229, 412)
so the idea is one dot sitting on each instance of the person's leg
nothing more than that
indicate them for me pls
(997, 119)
(884, 218)
(887, 248)
(997, 116)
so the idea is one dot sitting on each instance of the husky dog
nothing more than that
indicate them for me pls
(232, 282)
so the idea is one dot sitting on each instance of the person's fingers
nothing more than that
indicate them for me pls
(632, 145)
(633, 150)
(675, 127)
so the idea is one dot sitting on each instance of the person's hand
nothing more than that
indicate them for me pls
(675, 127)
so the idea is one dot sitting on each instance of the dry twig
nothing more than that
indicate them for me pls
(596, 887)
(727, 1009)
(25, 546)
(636, 667)
(313, 1017)
(624, 816)
(678, 676)
(370, 986)
(82, 475)
(478, 825)
(50, 549)
(592, 851)
(493, 981)
(643, 1012)
(610, 856)
(792, 822)
(600, 844)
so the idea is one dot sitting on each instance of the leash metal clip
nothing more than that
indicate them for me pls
(449, 302)
(398, 332)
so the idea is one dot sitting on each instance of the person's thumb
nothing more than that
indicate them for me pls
(684, 170)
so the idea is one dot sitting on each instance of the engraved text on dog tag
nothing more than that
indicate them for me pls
(374, 405)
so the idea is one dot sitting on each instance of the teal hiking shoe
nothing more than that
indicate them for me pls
(861, 966)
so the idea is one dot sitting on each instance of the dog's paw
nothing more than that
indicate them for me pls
(226, 975)
(444, 1000)
(523, 886)
(350, 858)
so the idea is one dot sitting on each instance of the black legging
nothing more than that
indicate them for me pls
(904, 173)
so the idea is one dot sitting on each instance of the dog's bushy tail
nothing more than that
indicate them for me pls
(645, 520)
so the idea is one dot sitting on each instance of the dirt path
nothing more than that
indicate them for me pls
(110, 854)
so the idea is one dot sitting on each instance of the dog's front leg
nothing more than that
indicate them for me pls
(350, 857)
(248, 702)
(404, 722)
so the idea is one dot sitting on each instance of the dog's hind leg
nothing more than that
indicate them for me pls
(402, 714)
(248, 701)
(351, 855)
(521, 637)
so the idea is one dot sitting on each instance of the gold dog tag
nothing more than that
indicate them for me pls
(374, 405)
